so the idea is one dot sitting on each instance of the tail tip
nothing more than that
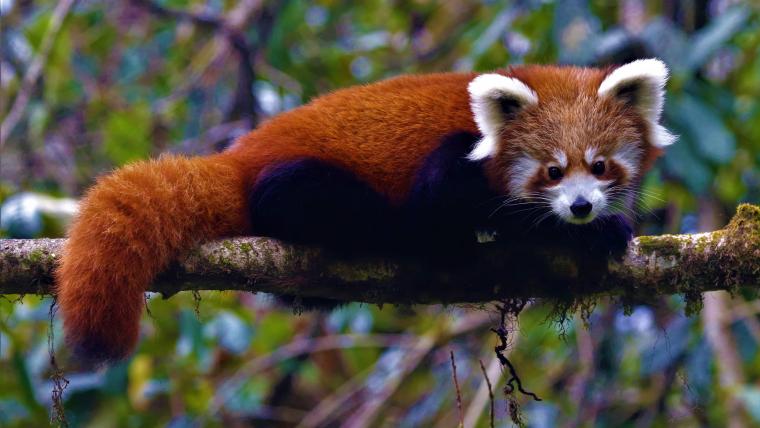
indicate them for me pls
(93, 351)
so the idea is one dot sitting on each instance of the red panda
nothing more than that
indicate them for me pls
(434, 157)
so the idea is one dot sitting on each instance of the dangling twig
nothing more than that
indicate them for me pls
(60, 383)
(510, 307)
(459, 393)
(490, 392)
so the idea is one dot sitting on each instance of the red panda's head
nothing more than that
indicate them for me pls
(574, 139)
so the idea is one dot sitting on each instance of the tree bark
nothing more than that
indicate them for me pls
(725, 259)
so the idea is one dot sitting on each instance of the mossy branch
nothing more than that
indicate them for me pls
(653, 265)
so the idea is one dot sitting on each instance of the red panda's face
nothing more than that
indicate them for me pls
(575, 141)
(577, 157)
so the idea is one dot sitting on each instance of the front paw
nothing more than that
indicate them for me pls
(610, 236)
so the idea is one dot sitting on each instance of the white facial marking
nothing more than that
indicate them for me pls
(578, 185)
(589, 155)
(522, 170)
(561, 158)
(486, 91)
(628, 157)
(650, 77)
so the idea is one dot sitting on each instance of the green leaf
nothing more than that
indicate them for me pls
(680, 161)
(25, 383)
(116, 378)
(712, 37)
(666, 42)
(273, 330)
(751, 397)
(729, 185)
(191, 334)
(705, 128)
(745, 341)
(35, 28)
(126, 135)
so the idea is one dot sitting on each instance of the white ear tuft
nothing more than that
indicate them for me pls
(494, 98)
(661, 137)
(641, 83)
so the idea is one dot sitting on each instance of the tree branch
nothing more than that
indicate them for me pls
(653, 265)
(244, 105)
(10, 121)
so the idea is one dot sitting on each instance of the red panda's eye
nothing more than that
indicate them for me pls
(555, 173)
(597, 168)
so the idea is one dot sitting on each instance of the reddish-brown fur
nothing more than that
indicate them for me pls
(130, 226)
(137, 220)
(381, 132)
(568, 116)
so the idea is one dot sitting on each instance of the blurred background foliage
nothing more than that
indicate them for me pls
(120, 81)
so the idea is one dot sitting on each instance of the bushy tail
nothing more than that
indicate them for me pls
(131, 224)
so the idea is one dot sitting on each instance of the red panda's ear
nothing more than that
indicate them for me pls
(494, 99)
(641, 84)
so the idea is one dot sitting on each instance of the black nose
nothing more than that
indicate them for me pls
(580, 207)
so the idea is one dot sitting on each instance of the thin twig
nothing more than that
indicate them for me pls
(392, 379)
(199, 19)
(509, 388)
(479, 402)
(513, 308)
(510, 307)
(300, 347)
(10, 121)
(244, 103)
(490, 391)
(374, 399)
(229, 28)
(327, 407)
(459, 392)
(60, 383)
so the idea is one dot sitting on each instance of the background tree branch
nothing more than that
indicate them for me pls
(653, 265)
(35, 69)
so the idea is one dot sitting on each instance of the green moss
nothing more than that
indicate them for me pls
(703, 241)
(246, 248)
(724, 259)
(734, 258)
(224, 261)
(37, 256)
(745, 226)
(37, 259)
(664, 245)
(747, 213)
(361, 273)
(694, 303)
(627, 306)
(743, 232)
